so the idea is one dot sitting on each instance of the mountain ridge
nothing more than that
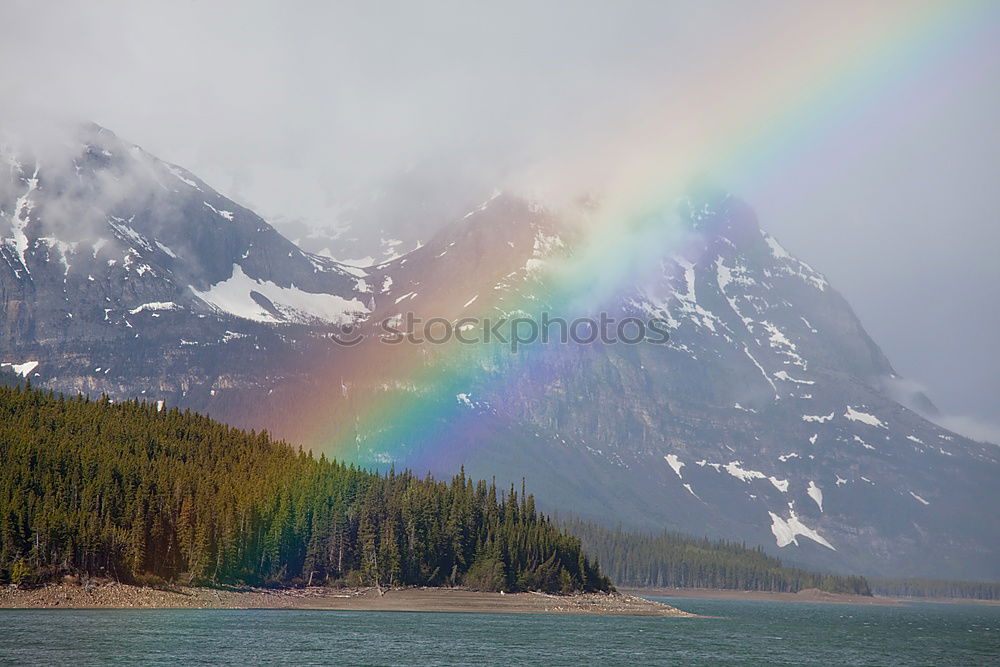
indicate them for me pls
(764, 418)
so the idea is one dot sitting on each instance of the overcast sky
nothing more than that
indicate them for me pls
(301, 109)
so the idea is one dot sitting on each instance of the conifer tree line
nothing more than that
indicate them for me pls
(669, 560)
(936, 588)
(146, 495)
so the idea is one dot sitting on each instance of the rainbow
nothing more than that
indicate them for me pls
(845, 60)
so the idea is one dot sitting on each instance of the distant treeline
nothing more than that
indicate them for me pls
(934, 588)
(669, 560)
(143, 495)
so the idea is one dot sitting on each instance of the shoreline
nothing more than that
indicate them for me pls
(809, 595)
(113, 595)
(626, 602)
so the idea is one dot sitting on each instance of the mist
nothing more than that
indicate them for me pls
(399, 116)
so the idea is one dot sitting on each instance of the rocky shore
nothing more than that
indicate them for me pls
(114, 595)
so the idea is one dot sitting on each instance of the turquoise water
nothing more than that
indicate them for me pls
(741, 632)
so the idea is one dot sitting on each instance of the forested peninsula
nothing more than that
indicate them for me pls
(148, 496)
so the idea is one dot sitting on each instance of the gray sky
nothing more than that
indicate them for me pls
(300, 110)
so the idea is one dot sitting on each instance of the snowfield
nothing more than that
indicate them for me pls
(864, 418)
(22, 369)
(234, 296)
(787, 530)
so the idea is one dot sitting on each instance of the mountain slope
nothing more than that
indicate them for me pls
(122, 273)
(104, 212)
(764, 418)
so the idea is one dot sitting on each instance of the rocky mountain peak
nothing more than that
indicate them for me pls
(765, 417)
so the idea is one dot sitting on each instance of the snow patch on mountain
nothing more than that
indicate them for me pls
(166, 250)
(783, 375)
(864, 418)
(675, 463)
(64, 248)
(235, 297)
(181, 176)
(789, 265)
(779, 484)
(125, 233)
(762, 372)
(787, 530)
(863, 443)
(21, 216)
(482, 207)
(228, 215)
(780, 343)
(155, 305)
(724, 276)
(777, 250)
(735, 469)
(22, 369)
(816, 494)
(688, 300)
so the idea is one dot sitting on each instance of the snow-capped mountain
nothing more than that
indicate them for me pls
(124, 274)
(134, 233)
(764, 418)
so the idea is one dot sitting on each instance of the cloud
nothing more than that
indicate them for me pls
(88, 178)
(914, 395)
(399, 114)
(971, 427)
(304, 111)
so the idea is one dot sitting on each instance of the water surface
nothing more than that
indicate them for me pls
(740, 631)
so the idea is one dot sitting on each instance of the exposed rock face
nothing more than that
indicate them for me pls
(764, 417)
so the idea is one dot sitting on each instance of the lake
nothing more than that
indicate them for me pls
(744, 632)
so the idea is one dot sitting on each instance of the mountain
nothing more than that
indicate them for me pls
(767, 417)
(125, 274)
(382, 221)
